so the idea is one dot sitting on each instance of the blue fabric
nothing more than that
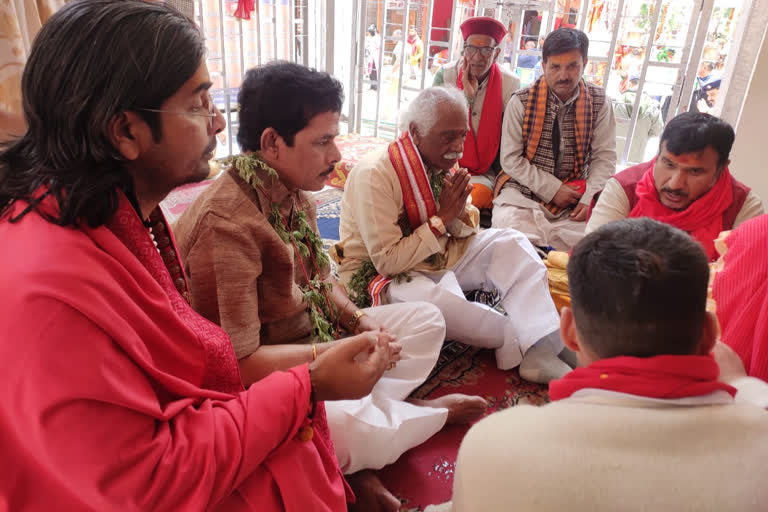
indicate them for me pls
(527, 61)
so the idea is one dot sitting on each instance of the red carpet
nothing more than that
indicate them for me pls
(424, 475)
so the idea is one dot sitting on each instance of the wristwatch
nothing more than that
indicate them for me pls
(436, 225)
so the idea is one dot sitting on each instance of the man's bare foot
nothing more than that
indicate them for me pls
(370, 493)
(461, 408)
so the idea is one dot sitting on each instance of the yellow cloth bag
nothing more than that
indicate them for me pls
(556, 263)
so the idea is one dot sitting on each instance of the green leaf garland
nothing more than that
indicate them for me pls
(307, 243)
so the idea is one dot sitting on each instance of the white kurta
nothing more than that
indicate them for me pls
(374, 431)
(493, 259)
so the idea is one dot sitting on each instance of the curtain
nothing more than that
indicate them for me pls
(20, 20)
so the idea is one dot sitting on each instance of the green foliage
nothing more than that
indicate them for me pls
(248, 167)
(358, 283)
(436, 182)
(317, 306)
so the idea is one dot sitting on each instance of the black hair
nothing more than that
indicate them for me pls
(694, 131)
(284, 96)
(91, 61)
(564, 40)
(639, 288)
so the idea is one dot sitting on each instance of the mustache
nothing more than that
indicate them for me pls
(676, 193)
(452, 156)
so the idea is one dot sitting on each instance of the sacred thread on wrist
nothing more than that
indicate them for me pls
(314, 352)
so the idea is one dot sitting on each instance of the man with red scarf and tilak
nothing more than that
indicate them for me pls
(687, 185)
(651, 419)
(487, 87)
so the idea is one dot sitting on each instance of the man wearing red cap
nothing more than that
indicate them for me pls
(480, 77)
(558, 148)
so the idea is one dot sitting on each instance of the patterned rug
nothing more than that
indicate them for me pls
(353, 147)
(329, 214)
(424, 475)
(177, 201)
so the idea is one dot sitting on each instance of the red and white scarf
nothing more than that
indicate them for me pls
(703, 218)
(419, 202)
(480, 151)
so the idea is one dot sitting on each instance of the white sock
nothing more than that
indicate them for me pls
(541, 364)
(568, 356)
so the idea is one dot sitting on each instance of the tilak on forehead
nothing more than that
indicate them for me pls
(686, 159)
(483, 25)
(562, 58)
(692, 159)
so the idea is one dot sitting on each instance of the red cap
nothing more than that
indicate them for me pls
(483, 25)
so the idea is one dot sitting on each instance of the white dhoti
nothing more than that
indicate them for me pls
(511, 209)
(503, 260)
(374, 431)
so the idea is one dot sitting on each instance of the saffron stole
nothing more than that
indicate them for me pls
(418, 200)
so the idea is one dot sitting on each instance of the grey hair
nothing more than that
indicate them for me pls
(422, 111)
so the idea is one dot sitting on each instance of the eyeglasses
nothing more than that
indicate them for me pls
(209, 105)
(485, 51)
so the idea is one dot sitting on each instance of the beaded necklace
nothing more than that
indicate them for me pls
(306, 244)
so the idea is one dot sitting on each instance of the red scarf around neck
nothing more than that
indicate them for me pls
(703, 219)
(663, 377)
(480, 151)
